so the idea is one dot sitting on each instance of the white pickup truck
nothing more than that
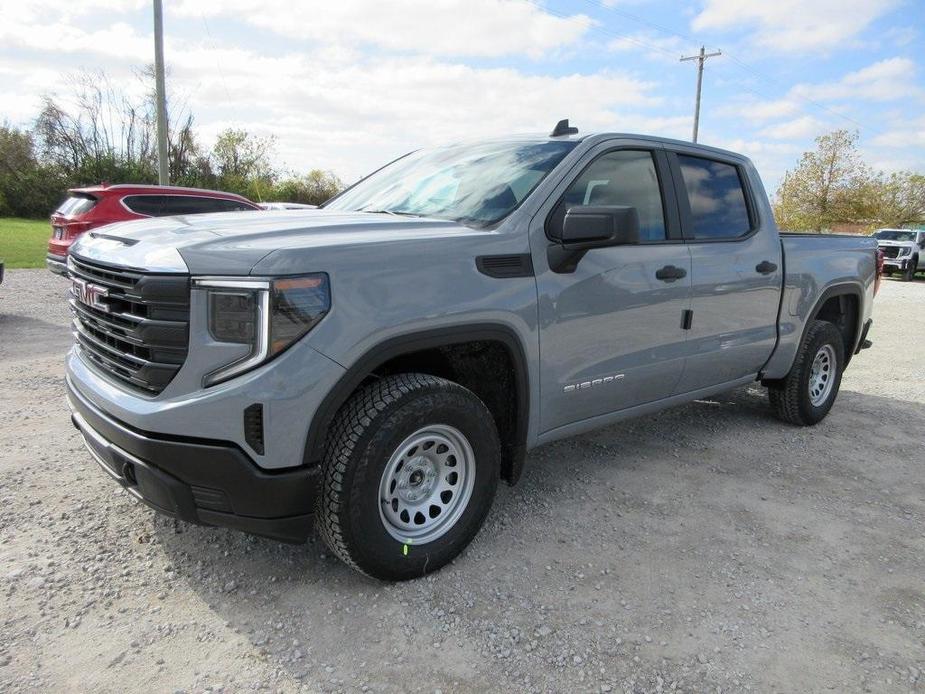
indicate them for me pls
(903, 251)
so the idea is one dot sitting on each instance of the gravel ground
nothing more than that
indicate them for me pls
(707, 548)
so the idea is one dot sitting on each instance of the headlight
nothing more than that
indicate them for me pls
(267, 315)
(904, 251)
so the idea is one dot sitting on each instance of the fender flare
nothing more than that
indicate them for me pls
(841, 289)
(372, 359)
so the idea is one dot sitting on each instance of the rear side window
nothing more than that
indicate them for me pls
(76, 205)
(165, 205)
(623, 177)
(194, 204)
(151, 205)
(717, 198)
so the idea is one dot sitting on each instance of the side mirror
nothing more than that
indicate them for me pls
(587, 227)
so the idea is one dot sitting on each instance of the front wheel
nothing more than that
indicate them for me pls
(409, 474)
(909, 273)
(805, 396)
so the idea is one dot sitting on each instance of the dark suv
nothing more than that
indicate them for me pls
(88, 208)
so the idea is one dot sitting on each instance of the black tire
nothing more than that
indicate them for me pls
(909, 273)
(790, 397)
(366, 433)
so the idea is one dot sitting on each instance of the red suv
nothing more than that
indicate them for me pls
(88, 208)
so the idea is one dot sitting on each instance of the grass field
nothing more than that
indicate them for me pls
(23, 242)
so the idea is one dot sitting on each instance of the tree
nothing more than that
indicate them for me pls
(900, 199)
(26, 186)
(312, 189)
(827, 186)
(107, 132)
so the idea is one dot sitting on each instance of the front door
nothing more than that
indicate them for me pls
(611, 333)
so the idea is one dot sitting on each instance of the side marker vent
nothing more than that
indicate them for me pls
(502, 266)
(253, 427)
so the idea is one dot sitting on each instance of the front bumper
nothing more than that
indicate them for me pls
(897, 263)
(56, 263)
(198, 480)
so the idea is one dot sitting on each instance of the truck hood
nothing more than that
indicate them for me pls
(901, 244)
(232, 243)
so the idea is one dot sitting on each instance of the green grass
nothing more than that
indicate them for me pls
(24, 242)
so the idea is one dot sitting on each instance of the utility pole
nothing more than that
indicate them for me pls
(160, 96)
(701, 59)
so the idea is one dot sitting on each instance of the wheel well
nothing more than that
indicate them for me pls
(842, 312)
(486, 368)
(490, 362)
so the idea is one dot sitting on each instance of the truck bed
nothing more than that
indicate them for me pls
(813, 265)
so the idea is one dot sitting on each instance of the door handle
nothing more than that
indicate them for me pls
(670, 273)
(765, 267)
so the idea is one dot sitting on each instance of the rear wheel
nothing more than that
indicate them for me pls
(805, 396)
(409, 474)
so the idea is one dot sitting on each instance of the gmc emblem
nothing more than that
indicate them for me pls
(92, 295)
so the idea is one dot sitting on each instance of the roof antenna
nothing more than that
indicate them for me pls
(562, 128)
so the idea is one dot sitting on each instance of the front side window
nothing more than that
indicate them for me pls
(717, 198)
(623, 177)
(473, 184)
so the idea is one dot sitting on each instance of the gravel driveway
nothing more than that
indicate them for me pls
(709, 547)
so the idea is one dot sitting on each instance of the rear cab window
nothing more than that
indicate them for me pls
(717, 197)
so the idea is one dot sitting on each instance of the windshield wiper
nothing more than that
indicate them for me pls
(394, 213)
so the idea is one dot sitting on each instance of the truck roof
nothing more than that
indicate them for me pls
(605, 135)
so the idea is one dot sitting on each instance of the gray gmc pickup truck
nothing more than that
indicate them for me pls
(378, 364)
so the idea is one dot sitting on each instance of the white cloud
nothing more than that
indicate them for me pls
(885, 80)
(796, 129)
(653, 46)
(794, 25)
(350, 116)
(756, 111)
(484, 28)
(904, 133)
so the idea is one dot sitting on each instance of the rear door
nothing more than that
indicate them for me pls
(611, 334)
(736, 269)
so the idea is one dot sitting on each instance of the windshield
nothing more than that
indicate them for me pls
(475, 184)
(895, 235)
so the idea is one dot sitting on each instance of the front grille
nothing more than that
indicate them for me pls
(137, 329)
(890, 251)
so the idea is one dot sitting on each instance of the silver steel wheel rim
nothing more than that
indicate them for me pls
(822, 375)
(427, 484)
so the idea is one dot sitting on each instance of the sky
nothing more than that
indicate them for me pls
(349, 85)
